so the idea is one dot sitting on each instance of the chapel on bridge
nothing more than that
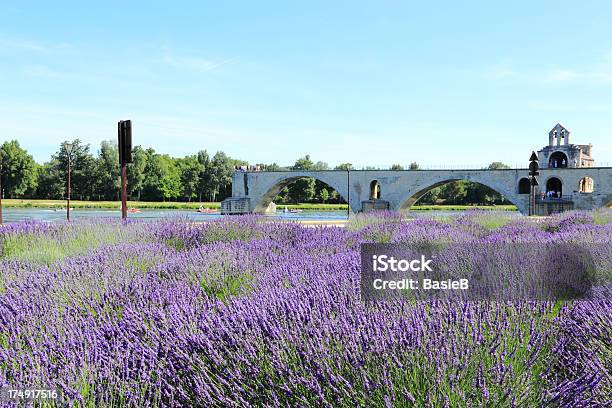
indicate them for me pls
(561, 153)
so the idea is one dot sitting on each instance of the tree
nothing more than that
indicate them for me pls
(344, 166)
(320, 165)
(170, 183)
(190, 170)
(324, 195)
(153, 173)
(108, 169)
(273, 167)
(161, 178)
(136, 171)
(453, 192)
(205, 176)
(51, 181)
(303, 189)
(17, 169)
(83, 165)
(413, 166)
(497, 166)
(221, 174)
(303, 163)
(397, 167)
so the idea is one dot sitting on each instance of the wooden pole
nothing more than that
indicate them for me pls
(531, 198)
(68, 198)
(348, 192)
(0, 194)
(123, 190)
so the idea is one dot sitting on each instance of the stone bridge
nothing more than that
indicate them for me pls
(253, 192)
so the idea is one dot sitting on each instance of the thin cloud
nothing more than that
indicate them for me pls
(499, 73)
(597, 74)
(546, 106)
(566, 75)
(194, 63)
(28, 45)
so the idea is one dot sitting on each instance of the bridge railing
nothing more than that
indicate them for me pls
(564, 197)
(519, 166)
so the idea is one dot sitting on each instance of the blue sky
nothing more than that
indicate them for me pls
(371, 83)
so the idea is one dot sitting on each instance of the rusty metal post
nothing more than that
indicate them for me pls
(68, 198)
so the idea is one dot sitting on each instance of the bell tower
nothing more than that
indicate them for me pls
(558, 136)
(560, 153)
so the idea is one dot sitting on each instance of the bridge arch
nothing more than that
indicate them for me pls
(524, 186)
(509, 194)
(374, 190)
(261, 201)
(586, 185)
(554, 186)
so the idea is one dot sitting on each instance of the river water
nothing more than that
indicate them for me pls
(50, 215)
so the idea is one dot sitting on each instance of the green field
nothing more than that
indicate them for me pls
(171, 205)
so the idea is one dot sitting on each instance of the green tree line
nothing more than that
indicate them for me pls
(153, 176)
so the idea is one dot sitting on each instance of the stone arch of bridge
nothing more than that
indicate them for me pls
(413, 196)
(264, 200)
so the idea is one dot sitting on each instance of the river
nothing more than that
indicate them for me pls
(50, 215)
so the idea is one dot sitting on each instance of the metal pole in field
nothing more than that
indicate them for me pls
(125, 157)
(348, 190)
(531, 196)
(0, 190)
(68, 198)
(69, 149)
(533, 181)
(124, 190)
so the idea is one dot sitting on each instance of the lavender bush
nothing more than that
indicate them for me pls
(250, 312)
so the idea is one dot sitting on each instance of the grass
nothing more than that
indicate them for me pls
(66, 242)
(28, 203)
(172, 205)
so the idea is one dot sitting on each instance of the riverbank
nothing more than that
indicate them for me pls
(171, 205)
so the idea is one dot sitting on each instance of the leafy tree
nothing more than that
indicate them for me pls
(51, 181)
(303, 189)
(303, 163)
(324, 195)
(17, 170)
(190, 170)
(83, 165)
(397, 167)
(170, 183)
(108, 169)
(454, 192)
(273, 167)
(153, 173)
(136, 171)
(205, 176)
(497, 166)
(413, 166)
(344, 166)
(221, 174)
(162, 179)
(320, 166)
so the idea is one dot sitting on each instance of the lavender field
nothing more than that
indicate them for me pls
(246, 311)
